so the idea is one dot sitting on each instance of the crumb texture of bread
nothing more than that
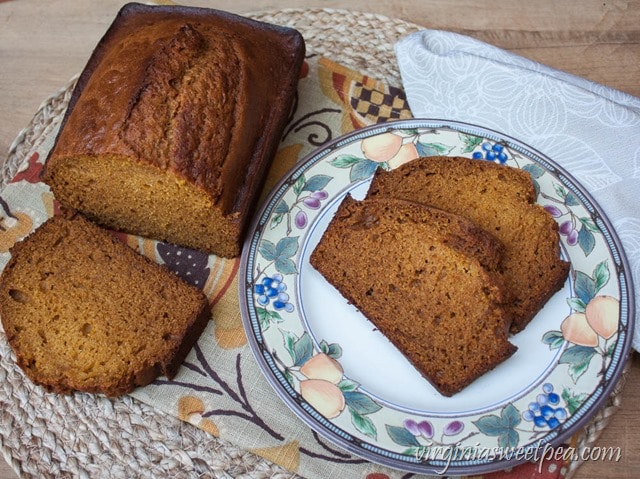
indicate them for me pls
(501, 200)
(84, 312)
(174, 123)
(415, 272)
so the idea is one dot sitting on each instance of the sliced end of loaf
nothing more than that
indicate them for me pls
(143, 199)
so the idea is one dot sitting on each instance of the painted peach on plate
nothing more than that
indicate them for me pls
(322, 366)
(576, 330)
(382, 147)
(405, 154)
(324, 396)
(602, 314)
(600, 319)
(320, 389)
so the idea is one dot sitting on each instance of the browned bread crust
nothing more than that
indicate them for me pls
(174, 122)
(415, 273)
(84, 312)
(501, 200)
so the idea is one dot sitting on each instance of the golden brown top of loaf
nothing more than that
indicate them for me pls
(499, 199)
(415, 273)
(182, 88)
(85, 312)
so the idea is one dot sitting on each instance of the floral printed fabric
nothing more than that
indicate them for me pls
(220, 388)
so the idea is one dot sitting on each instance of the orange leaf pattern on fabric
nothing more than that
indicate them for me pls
(190, 409)
(13, 226)
(209, 426)
(287, 456)
(49, 202)
(223, 273)
(229, 332)
(285, 159)
(189, 405)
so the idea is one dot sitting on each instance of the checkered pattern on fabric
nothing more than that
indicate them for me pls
(375, 106)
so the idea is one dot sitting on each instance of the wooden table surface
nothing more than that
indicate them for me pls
(44, 43)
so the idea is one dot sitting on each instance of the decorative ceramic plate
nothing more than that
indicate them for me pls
(348, 383)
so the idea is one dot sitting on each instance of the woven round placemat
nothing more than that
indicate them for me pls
(47, 435)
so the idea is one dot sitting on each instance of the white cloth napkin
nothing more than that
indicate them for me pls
(590, 130)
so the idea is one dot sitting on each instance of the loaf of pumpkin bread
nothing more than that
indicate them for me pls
(424, 278)
(174, 122)
(84, 312)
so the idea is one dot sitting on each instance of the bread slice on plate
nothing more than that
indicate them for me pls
(499, 199)
(424, 278)
(84, 312)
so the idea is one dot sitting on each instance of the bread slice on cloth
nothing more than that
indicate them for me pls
(424, 278)
(499, 199)
(85, 312)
